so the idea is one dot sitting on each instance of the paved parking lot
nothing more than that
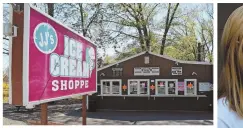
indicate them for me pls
(70, 115)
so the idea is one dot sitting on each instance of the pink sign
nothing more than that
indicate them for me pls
(59, 63)
(180, 86)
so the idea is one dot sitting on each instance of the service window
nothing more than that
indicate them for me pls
(138, 86)
(106, 87)
(133, 87)
(172, 88)
(143, 85)
(115, 87)
(166, 86)
(191, 87)
(161, 87)
(112, 87)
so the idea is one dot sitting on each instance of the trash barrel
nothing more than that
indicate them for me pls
(92, 106)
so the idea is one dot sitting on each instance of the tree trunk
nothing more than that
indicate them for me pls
(18, 6)
(51, 9)
(144, 27)
(199, 52)
(163, 44)
(82, 19)
(168, 22)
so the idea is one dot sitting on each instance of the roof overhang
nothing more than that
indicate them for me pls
(162, 56)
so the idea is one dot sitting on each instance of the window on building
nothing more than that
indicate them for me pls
(146, 59)
(138, 86)
(112, 87)
(115, 87)
(161, 87)
(106, 87)
(166, 86)
(191, 88)
(133, 87)
(143, 87)
(171, 87)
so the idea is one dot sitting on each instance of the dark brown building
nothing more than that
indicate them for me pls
(148, 81)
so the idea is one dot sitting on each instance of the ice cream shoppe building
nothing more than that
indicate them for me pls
(148, 81)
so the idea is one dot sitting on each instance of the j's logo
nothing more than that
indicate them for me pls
(45, 38)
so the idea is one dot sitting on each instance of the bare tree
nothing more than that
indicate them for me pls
(169, 20)
(206, 32)
(51, 9)
(132, 21)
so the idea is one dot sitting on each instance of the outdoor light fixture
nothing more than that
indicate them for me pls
(177, 63)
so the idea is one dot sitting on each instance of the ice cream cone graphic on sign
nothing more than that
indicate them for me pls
(90, 59)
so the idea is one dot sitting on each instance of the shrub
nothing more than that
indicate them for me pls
(5, 92)
(5, 86)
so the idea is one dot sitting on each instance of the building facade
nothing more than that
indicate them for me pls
(148, 81)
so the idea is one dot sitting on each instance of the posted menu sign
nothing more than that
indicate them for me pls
(146, 71)
(176, 70)
(58, 63)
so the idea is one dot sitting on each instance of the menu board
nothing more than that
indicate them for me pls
(205, 86)
(146, 71)
(176, 71)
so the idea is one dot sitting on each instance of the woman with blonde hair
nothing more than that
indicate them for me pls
(230, 103)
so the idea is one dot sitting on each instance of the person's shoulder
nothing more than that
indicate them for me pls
(228, 116)
(224, 114)
(223, 108)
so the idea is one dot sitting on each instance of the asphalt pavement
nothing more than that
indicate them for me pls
(71, 115)
(145, 115)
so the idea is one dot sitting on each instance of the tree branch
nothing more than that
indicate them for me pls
(5, 49)
(94, 16)
(121, 32)
(5, 38)
(6, 53)
(120, 23)
(151, 11)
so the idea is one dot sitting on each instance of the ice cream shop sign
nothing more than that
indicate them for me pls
(58, 63)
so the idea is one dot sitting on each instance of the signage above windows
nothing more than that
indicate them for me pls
(117, 72)
(146, 71)
(117, 69)
(176, 70)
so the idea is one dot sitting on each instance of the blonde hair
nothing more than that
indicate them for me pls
(231, 84)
